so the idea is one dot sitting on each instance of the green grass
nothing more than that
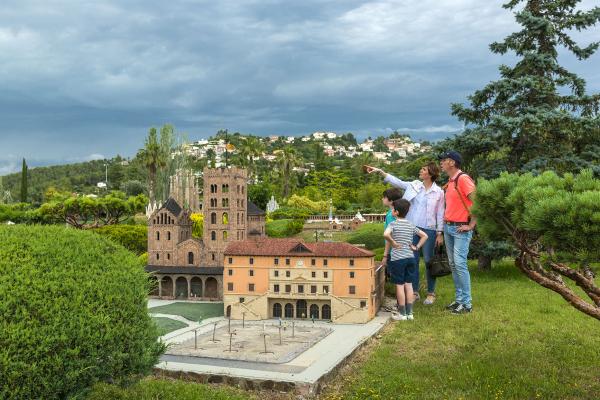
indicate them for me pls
(521, 342)
(166, 389)
(166, 325)
(191, 311)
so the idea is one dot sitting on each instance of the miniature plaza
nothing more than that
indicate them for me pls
(294, 353)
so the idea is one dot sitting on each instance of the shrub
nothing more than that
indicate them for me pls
(73, 312)
(133, 237)
(371, 235)
(303, 202)
(198, 225)
(290, 213)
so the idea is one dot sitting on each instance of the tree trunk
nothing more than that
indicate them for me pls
(484, 262)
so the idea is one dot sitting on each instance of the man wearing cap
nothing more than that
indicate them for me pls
(458, 228)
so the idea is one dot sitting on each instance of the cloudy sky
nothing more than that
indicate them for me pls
(86, 79)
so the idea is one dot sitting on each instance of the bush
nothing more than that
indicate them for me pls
(290, 213)
(284, 227)
(371, 235)
(133, 237)
(304, 203)
(73, 312)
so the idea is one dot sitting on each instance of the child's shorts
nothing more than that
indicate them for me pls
(402, 271)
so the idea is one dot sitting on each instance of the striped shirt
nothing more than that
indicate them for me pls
(402, 231)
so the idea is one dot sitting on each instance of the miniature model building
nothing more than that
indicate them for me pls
(189, 267)
(287, 278)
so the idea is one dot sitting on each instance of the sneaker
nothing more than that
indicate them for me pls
(461, 309)
(410, 317)
(452, 305)
(396, 316)
(417, 296)
(430, 299)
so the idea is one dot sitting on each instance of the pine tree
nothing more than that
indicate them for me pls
(24, 182)
(538, 115)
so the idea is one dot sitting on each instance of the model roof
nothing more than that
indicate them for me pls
(294, 247)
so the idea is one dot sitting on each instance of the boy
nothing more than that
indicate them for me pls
(389, 196)
(402, 266)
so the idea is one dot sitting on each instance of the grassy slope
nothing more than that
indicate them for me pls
(191, 311)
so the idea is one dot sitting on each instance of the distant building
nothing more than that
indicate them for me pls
(288, 278)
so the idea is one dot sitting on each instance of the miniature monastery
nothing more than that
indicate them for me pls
(255, 276)
(188, 267)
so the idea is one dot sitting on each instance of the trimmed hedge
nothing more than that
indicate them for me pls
(73, 312)
(133, 237)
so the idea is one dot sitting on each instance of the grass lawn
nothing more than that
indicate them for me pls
(166, 325)
(521, 342)
(191, 311)
(166, 389)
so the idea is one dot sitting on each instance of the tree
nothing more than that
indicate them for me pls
(537, 116)
(154, 159)
(286, 160)
(554, 222)
(251, 148)
(24, 182)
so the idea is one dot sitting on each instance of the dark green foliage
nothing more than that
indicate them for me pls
(290, 213)
(80, 177)
(537, 116)
(283, 228)
(133, 237)
(260, 194)
(72, 312)
(371, 235)
(133, 188)
(24, 182)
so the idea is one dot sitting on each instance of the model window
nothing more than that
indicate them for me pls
(251, 272)
(276, 273)
(190, 258)
(276, 288)
(325, 274)
(157, 235)
(287, 274)
(300, 288)
(168, 235)
(230, 260)
(363, 304)
(352, 289)
(288, 288)
(213, 236)
(325, 289)
(251, 287)
(230, 286)
(230, 272)
(313, 274)
(352, 263)
(251, 261)
(325, 262)
(276, 261)
(313, 262)
(287, 261)
(352, 274)
(313, 289)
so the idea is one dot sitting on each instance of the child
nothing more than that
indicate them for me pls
(389, 196)
(402, 266)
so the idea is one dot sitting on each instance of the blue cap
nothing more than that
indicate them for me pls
(451, 154)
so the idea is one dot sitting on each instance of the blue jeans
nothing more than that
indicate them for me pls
(428, 249)
(457, 247)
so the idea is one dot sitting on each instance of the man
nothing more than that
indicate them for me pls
(458, 228)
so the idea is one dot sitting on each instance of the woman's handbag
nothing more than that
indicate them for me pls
(439, 265)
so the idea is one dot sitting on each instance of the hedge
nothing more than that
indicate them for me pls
(73, 312)
(371, 235)
(133, 237)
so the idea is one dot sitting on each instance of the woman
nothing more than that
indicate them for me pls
(426, 212)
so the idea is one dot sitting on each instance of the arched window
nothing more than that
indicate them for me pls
(190, 258)
(326, 311)
(224, 235)
(213, 218)
(225, 218)
(276, 310)
(225, 202)
(238, 218)
(213, 235)
(157, 235)
(289, 310)
(225, 188)
(168, 235)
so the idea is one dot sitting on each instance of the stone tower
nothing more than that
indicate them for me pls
(224, 210)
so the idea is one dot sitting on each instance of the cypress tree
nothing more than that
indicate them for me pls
(24, 182)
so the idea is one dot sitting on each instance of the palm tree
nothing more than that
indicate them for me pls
(287, 159)
(154, 159)
(252, 147)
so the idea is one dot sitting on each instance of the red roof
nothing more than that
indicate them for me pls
(294, 247)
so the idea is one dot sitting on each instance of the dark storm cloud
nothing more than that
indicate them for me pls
(83, 80)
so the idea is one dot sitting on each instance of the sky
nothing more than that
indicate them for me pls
(82, 80)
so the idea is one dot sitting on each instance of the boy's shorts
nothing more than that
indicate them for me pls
(402, 271)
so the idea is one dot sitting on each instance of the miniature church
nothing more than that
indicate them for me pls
(186, 267)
